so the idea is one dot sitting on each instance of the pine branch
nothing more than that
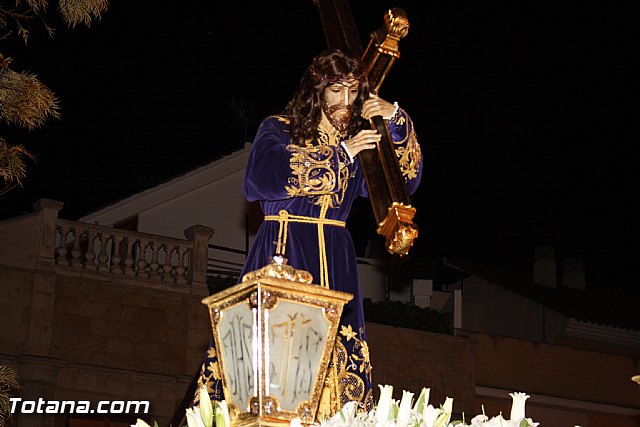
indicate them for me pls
(37, 6)
(24, 100)
(73, 12)
(8, 384)
(84, 12)
(13, 168)
(18, 16)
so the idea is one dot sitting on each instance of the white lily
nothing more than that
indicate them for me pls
(517, 406)
(348, 412)
(499, 421)
(206, 409)
(404, 411)
(445, 416)
(344, 417)
(141, 423)
(479, 420)
(527, 422)
(430, 415)
(388, 413)
(422, 401)
(193, 417)
(366, 418)
(384, 404)
(222, 414)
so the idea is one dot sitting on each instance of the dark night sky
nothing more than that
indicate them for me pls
(522, 110)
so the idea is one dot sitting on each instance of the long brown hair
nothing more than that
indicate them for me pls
(304, 108)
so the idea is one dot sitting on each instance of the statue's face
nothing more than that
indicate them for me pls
(344, 93)
(338, 102)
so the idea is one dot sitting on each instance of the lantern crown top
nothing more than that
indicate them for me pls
(279, 269)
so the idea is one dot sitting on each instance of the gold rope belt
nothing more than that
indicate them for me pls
(284, 218)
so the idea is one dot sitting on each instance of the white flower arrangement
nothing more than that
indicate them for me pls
(202, 416)
(393, 413)
(387, 413)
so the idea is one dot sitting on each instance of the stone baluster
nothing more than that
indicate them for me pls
(62, 248)
(90, 255)
(142, 258)
(116, 259)
(102, 256)
(76, 253)
(165, 265)
(153, 265)
(170, 264)
(129, 257)
(180, 269)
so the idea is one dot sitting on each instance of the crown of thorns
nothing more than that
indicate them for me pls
(334, 79)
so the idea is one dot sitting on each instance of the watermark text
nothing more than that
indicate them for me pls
(42, 406)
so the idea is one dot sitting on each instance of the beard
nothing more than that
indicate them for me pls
(339, 116)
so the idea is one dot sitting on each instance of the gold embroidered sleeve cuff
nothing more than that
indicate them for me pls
(406, 143)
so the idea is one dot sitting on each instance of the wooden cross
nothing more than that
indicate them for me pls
(387, 189)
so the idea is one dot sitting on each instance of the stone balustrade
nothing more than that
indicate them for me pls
(90, 247)
(78, 248)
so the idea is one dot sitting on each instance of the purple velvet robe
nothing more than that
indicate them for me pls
(307, 181)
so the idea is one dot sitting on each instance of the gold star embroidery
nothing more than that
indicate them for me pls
(347, 332)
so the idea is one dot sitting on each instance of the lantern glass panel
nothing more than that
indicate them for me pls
(237, 335)
(297, 334)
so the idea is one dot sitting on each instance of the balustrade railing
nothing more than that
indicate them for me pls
(72, 247)
(101, 249)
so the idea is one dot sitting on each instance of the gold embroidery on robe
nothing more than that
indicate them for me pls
(210, 378)
(409, 153)
(344, 382)
(283, 119)
(359, 359)
(409, 157)
(314, 170)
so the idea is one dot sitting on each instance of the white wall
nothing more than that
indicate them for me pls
(219, 205)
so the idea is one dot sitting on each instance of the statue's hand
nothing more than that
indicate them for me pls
(376, 106)
(365, 140)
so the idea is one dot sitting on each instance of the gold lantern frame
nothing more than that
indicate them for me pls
(263, 291)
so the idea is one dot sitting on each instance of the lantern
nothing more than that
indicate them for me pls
(274, 333)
